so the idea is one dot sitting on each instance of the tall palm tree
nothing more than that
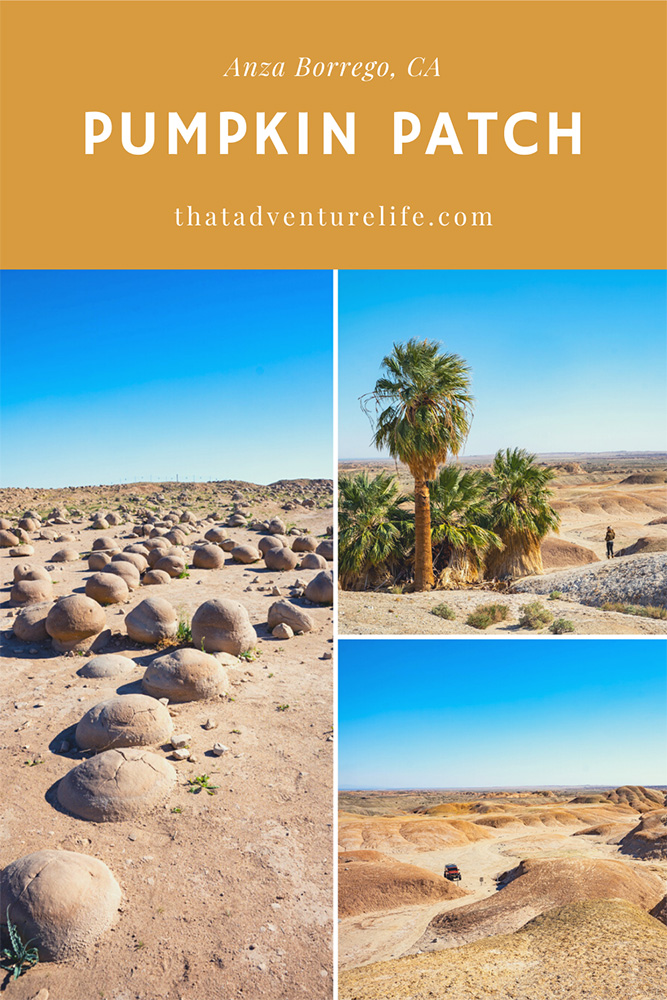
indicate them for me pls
(520, 513)
(423, 411)
(459, 511)
(374, 531)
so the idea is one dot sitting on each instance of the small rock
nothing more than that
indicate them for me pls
(219, 749)
(328, 655)
(64, 747)
(178, 742)
(182, 754)
(210, 724)
(282, 631)
(276, 592)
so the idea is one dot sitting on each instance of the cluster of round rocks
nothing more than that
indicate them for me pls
(63, 900)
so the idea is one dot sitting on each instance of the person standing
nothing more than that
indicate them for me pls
(609, 539)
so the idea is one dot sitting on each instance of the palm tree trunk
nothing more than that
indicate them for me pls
(423, 553)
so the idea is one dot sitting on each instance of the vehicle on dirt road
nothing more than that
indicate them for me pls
(452, 873)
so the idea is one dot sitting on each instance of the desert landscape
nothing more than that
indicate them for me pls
(167, 739)
(623, 596)
(562, 893)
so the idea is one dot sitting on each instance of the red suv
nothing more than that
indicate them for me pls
(452, 873)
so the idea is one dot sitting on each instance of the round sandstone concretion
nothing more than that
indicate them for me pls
(30, 623)
(106, 665)
(304, 543)
(127, 720)
(100, 524)
(8, 539)
(60, 900)
(113, 518)
(139, 562)
(116, 785)
(320, 588)
(155, 543)
(107, 588)
(286, 613)
(208, 557)
(152, 620)
(68, 554)
(104, 544)
(98, 560)
(216, 535)
(281, 559)
(236, 521)
(269, 542)
(155, 577)
(31, 592)
(126, 571)
(223, 626)
(25, 571)
(171, 564)
(73, 622)
(176, 536)
(5, 524)
(228, 545)
(29, 524)
(138, 549)
(277, 527)
(326, 549)
(245, 554)
(311, 560)
(21, 551)
(185, 675)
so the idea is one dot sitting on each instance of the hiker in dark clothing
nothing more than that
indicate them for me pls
(609, 539)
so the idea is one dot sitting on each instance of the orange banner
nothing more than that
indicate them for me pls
(334, 134)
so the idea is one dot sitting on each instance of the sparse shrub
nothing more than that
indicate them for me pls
(534, 615)
(641, 611)
(184, 575)
(555, 595)
(561, 625)
(18, 957)
(184, 632)
(487, 614)
(443, 611)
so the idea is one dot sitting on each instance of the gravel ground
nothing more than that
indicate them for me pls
(636, 579)
(369, 613)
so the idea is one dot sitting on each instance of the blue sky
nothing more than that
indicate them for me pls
(112, 376)
(456, 713)
(561, 360)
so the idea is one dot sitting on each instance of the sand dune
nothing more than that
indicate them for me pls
(370, 881)
(649, 838)
(538, 886)
(399, 834)
(602, 949)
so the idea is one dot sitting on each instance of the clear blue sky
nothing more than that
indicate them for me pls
(561, 360)
(475, 712)
(111, 376)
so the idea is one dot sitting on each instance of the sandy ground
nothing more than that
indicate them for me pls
(380, 937)
(587, 503)
(231, 896)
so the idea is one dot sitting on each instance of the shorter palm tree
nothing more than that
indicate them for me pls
(375, 533)
(459, 511)
(520, 513)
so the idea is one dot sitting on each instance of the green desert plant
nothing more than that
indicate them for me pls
(534, 615)
(561, 625)
(184, 575)
(249, 656)
(17, 957)
(184, 632)
(373, 530)
(520, 513)
(486, 615)
(443, 611)
(459, 509)
(423, 409)
(555, 595)
(202, 782)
